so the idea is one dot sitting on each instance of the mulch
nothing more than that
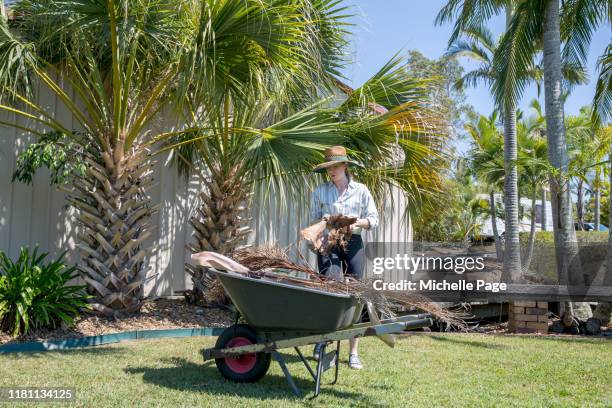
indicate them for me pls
(159, 314)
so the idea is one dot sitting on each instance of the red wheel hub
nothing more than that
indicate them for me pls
(243, 363)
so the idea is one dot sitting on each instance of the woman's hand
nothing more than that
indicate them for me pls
(361, 223)
(314, 234)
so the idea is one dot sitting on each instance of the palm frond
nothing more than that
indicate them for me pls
(390, 86)
(473, 78)
(462, 48)
(579, 20)
(602, 101)
(513, 58)
(17, 56)
(468, 14)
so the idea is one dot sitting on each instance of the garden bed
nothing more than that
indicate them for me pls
(159, 314)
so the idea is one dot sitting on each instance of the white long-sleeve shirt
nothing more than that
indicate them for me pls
(355, 201)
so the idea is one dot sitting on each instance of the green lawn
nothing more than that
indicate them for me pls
(423, 370)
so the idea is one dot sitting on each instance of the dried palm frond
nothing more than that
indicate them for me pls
(272, 262)
(266, 257)
(339, 232)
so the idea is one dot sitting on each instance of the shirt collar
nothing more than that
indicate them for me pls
(351, 185)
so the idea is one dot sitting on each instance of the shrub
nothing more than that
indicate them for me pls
(35, 294)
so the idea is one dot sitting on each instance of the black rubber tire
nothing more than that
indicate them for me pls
(262, 363)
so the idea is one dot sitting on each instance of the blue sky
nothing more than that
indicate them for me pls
(384, 27)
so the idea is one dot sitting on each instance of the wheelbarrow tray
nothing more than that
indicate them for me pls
(271, 305)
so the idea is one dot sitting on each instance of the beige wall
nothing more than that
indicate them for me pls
(37, 214)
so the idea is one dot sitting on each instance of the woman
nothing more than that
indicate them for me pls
(343, 196)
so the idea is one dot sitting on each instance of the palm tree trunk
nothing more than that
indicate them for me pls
(568, 262)
(597, 201)
(532, 231)
(544, 211)
(220, 225)
(512, 251)
(499, 251)
(114, 212)
(580, 204)
(603, 311)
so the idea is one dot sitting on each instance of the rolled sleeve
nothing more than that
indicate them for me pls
(370, 210)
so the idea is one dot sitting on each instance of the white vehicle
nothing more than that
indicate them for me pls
(486, 227)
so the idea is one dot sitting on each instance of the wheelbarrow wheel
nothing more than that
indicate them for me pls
(244, 368)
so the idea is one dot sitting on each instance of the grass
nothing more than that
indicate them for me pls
(423, 370)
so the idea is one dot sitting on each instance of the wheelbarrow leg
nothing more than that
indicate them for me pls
(337, 362)
(281, 362)
(305, 362)
(319, 370)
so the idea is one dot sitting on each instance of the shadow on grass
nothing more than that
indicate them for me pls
(463, 341)
(205, 378)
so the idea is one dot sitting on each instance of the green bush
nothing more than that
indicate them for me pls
(35, 294)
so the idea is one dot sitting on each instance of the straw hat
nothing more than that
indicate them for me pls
(333, 156)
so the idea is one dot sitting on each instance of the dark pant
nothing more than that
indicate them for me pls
(351, 260)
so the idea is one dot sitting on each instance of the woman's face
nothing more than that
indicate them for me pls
(337, 172)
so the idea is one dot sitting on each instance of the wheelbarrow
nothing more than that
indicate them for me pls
(282, 315)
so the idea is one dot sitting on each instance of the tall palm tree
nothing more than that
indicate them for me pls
(488, 165)
(537, 23)
(579, 20)
(534, 170)
(477, 43)
(127, 61)
(470, 18)
(538, 125)
(586, 152)
(602, 136)
(603, 311)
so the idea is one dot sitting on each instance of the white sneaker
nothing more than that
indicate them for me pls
(355, 362)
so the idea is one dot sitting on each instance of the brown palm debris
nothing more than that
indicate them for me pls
(265, 260)
(339, 232)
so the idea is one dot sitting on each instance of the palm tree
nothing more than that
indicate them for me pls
(385, 124)
(603, 311)
(538, 124)
(579, 20)
(470, 21)
(534, 170)
(487, 163)
(534, 24)
(477, 43)
(586, 150)
(126, 62)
